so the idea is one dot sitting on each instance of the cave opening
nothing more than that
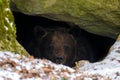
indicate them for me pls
(25, 33)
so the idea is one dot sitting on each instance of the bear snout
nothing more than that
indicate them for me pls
(59, 60)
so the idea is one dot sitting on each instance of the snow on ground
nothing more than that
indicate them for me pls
(17, 67)
(109, 67)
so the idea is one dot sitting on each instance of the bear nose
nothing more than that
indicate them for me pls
(59, 60)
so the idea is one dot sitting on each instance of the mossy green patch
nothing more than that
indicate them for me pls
(8, 40)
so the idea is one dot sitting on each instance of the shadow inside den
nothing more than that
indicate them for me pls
(60, 42)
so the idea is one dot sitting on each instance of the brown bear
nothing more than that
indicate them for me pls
(61, 47)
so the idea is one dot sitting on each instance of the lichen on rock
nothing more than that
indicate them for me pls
(8, 40)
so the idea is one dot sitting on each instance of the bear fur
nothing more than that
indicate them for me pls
(60, 46)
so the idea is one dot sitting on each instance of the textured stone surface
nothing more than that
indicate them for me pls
(8, 40)
(100, 17)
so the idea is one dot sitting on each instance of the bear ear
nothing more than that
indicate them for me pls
(71, 27)
(39, 31)
(74, 30)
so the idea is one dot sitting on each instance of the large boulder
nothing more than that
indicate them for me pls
(100, 17)
(8, 40)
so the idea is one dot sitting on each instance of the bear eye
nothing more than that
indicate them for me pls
(66, 47)
(50, 47)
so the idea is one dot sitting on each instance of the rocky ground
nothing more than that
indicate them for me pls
(16, 67)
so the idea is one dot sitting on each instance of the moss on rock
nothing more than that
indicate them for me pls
(8, 40)
(100, 17)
